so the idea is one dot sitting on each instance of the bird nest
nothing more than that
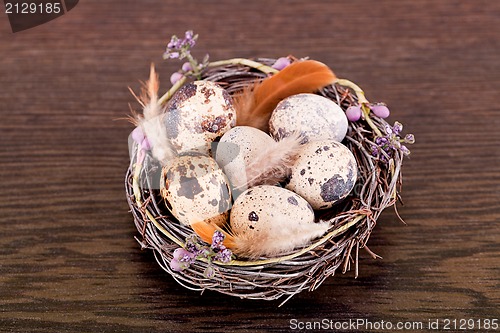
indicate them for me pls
(351, 222)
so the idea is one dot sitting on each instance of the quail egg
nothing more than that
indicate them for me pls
(198, 113)
(237, 148)
(324, 173)
(269, 220)
(315, 117)
(195, 189)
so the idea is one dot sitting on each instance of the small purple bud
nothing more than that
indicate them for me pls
(217, 238)
(410, 138)
(281, 63)
(353, 112)
(171, 44)
(209, 272)
(137, 134)
(397, 128)
(381, 141)
(181, 254)
(172, 55)
(224, 255)
(186, 67)
(380, 110)
(175, 77)
(189, 34)
(388, 129)
(145, 144)
(176, 265)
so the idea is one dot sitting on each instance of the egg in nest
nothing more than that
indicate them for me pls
(195, 189)
(198, 113)
(324, 173)
(315, 117)
(236, 150)
(269, 220)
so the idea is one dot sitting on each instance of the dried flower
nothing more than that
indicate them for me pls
(195, 248)
(178, 48)
(217, 239)
(385, 146)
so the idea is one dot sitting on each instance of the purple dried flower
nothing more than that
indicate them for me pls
(217, 239)
(183, 255)
(209, 271)
(397, 128)
(191, 243)
(224, 255)
(281, 63)
(409, 138)
(388, 129)
(391, 142)
(353, 112)
(381, 141)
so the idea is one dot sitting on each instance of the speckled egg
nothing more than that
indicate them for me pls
(198, 113)
(237, 148)
(267, 208)
(315, 117)
(324, 173)
(195, 189)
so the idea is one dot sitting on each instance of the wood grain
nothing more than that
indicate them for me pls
(69, 262)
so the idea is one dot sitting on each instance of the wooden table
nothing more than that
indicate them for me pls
(69, 262)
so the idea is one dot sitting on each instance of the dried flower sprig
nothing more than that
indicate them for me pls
(195, 249)
(181, 49)
(385, 146)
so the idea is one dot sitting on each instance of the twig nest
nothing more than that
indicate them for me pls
(324, 173)
(197, 114)
(195, 189)
(315, 117)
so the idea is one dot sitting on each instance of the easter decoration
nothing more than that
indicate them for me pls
(259, 178)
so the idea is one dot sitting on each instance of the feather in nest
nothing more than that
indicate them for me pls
(151, 120)
(280, 239)
(257, 101)
(272, 164)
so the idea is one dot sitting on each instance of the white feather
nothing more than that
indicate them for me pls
(272, 164)
(151, 121)
(284, 237)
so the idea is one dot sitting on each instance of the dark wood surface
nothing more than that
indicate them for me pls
(68, 259)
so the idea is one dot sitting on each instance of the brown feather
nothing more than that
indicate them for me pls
(255, 105)
(206, 231)
(282, 237)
